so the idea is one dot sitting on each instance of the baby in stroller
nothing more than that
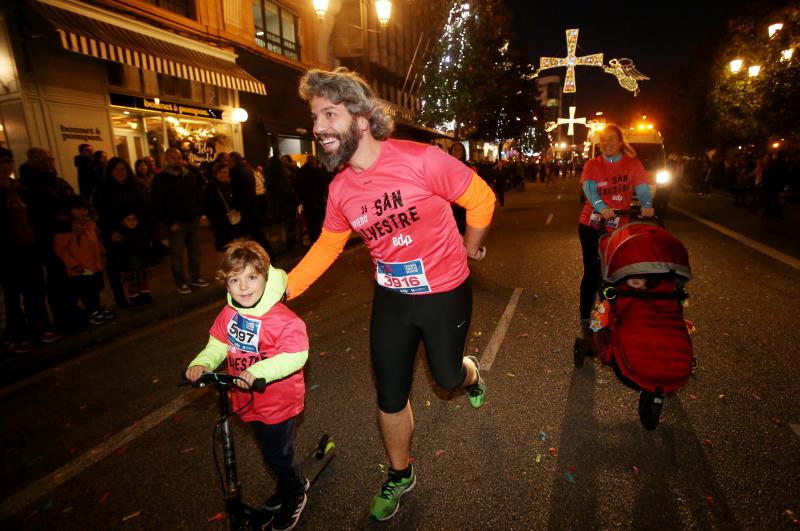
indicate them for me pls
(641, 332)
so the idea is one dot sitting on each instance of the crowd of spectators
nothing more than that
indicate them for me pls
(63, 248)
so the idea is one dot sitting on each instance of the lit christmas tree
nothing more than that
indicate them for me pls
(473, 84)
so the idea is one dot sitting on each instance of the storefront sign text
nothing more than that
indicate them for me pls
(155, 104)
(84, 134)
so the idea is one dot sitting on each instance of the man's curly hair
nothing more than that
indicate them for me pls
(350, 89)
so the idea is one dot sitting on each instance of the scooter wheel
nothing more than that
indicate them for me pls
(579, 353)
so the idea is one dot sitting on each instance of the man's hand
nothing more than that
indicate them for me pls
(195, 371)
(648, 212)
(478, 254)
(248, 378)
(117, 237)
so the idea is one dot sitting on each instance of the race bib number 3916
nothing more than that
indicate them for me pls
(243, 333)
(404, 277)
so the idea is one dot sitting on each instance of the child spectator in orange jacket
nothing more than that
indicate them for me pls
(84, 258)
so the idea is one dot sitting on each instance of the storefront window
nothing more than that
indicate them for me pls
(199, 140)
(181, 7)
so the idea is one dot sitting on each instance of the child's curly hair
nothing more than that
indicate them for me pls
(242, 253)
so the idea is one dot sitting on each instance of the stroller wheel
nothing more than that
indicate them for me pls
(579, 353)
(650, 408)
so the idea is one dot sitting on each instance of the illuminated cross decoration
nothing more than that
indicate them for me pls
(571, 121)
(571, 61)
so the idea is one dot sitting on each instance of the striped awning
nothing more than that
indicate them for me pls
(110, 40)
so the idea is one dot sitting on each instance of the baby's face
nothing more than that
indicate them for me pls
(636, 283)
(130, 221)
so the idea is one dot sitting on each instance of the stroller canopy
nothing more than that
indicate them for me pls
(642, 249)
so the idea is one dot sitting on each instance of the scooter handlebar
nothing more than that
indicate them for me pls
(215, 378)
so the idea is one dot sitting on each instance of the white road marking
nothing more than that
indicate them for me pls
(549, 219)
(489, 353)
(760, 247)
(52, 481)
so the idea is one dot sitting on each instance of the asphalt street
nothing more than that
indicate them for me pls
(108, 440)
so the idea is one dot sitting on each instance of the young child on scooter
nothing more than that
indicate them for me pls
(262, 338)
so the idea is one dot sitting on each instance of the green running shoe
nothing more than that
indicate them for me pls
(476, 393)
(386, 503)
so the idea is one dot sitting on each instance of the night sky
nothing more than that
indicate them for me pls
(667, 41)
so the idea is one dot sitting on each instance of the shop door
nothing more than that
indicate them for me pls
(128, 145)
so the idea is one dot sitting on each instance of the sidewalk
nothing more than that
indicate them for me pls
(167, 303)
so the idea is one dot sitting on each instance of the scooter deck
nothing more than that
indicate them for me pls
(315, 462)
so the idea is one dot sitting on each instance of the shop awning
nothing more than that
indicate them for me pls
(111, 37)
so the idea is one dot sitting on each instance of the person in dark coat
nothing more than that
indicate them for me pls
(221, 208)
(87, 178)
(243, 186)
(119, 195)
(178, 203)
(21, 273)
(46, 196)
(312, 190)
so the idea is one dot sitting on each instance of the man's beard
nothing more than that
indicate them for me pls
(348, 143)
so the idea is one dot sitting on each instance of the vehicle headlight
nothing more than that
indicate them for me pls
(663, 177)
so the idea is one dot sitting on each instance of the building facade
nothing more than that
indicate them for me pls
(135, 77)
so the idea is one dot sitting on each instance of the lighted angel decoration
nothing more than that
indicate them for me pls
(626, 73)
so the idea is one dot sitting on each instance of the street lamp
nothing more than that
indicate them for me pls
(774, 28)
(786, 55)
(320, 8)
(754, 70)
(736, 66)
(383, 9)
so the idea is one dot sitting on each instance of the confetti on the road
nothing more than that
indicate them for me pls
(427, 403)
(538, 458)
(83, 407)
(177, 418)
(65, 510)
(777, 421)
(216, 518)
(709, 442)
(439, 453)
(710, 501)
(755, 395)
(795, 428)
(542, 436)
(677, 494)
(721, 397)
(570, 477)
(572, 469)
(104, 497)
(312, 387)
(381, 467)
(511, 375)
(636, 470)
(348, 349)
(523, 334)
(187, 450)
(155, 380)
(323, 353)
(692, 397)
(553, 452)
(790, 515)
(131, 516)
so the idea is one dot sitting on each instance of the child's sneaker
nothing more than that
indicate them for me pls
(476, 393)
(183, 289)
(289, 514)
(275, 501)
(386, 503)
(200, 283)
(96, 318)
(108, 315)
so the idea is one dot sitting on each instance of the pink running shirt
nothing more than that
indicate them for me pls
(400, 206)
(615, 184)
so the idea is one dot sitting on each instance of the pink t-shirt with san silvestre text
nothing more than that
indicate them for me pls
(615, 184)
(401, 208)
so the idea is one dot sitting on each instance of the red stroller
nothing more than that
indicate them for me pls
(645, 339)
